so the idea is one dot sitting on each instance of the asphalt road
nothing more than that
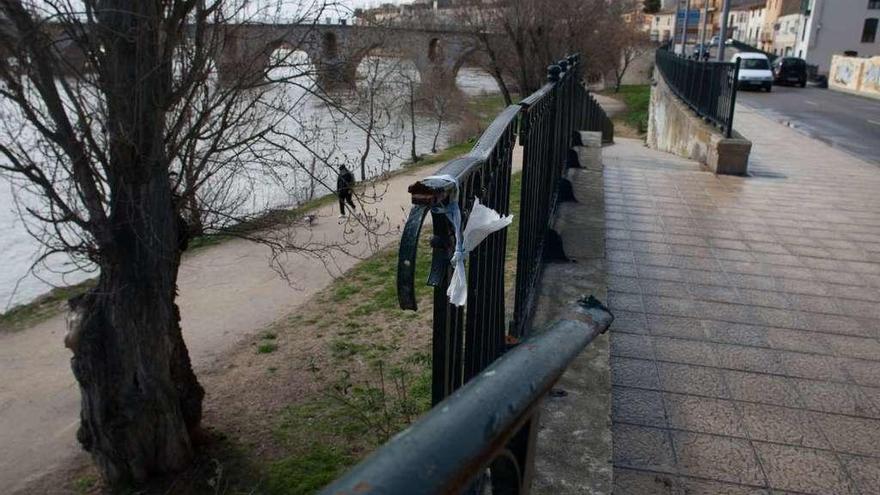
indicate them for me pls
(847, 122)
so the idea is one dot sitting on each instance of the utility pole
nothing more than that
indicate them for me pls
(684, 31)
(703, 35)
(675, 25)
(722, 36)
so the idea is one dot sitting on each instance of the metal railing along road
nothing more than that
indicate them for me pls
(709, 88)
(484, 418)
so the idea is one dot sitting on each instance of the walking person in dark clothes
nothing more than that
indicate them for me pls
(344, 184)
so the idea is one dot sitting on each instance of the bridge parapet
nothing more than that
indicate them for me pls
(335, 51)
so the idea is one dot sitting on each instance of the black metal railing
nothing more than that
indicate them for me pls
(551, 121)
(483, 436)
(468, 339)
(709, 88)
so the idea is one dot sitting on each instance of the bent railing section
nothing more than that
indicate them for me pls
(708, 88)
(485, 418)
(484, 434)
(464, 342)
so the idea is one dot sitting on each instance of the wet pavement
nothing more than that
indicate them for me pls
(847, 122)
(745, 354)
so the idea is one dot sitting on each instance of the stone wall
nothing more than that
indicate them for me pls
(674, 128)
(573, 455)
(855, 75)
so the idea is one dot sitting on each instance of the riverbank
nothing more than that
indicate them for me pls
(228, 294)
(479, 112)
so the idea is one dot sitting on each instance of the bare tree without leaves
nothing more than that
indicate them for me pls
(440, 102)
(518, 39)
(118, 153)
(372, 108)
(631, 43)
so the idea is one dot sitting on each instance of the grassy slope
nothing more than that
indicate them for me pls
(330, 436)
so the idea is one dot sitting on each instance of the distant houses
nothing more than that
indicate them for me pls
(814, 30)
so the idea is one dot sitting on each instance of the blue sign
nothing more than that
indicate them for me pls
(693, 18)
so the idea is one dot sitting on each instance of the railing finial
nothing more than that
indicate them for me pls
(553, 73)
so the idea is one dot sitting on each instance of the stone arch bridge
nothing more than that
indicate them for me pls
(245, 50)
(335, 51)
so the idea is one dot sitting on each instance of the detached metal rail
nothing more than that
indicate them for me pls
(481, 431)
(489, 424)
(709, 88)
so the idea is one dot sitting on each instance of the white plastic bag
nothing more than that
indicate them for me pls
(482, 222)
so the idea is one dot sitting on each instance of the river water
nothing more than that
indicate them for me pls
(18, 249)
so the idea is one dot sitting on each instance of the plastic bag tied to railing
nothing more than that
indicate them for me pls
(482, 222)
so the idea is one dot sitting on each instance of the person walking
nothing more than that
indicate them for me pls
(344, 184)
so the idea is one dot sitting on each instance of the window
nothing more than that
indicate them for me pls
(869, 32)
(874, 4)
(754, 64)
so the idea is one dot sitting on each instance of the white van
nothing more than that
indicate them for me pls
(754, 70)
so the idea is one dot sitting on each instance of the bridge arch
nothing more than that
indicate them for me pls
(286, 60)
(436, 50)
(329, 45)
(397, 65)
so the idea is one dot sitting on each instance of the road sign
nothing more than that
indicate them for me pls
(693, 18)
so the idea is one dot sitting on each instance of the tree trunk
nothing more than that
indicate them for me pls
(370, 127)
(412, 120)
(141, 400)
(437, 135)
(495, 69)
(140, 397)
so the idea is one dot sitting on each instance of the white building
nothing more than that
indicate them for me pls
(746, 21)
(788, 32)
(662, 26)
(830, 27)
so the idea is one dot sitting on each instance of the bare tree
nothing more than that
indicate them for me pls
(440, 105)
(518, 39)
(124, 148)
(631, 43)
(372, 107)
(412, 101)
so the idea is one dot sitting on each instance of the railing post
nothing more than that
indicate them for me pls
(733, 90)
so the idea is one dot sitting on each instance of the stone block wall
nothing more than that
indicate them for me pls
(674, 128)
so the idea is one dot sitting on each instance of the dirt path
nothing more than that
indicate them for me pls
(227, 292)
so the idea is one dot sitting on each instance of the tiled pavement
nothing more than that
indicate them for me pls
(745, 354)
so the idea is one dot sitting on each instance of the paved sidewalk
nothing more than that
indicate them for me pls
(745, 354)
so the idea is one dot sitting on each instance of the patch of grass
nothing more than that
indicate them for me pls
(449, 153)
(266, 347)
(513, 229)
(344, 292)
(487, 107)
(637, 99)
(85, 484)
(44, 307)
(306, 473)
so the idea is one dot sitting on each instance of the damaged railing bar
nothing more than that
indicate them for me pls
(454, 443)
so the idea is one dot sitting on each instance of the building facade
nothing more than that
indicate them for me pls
(746, 21)
(832, 27)
(662, 26)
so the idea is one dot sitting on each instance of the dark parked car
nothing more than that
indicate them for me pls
(790, 70)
